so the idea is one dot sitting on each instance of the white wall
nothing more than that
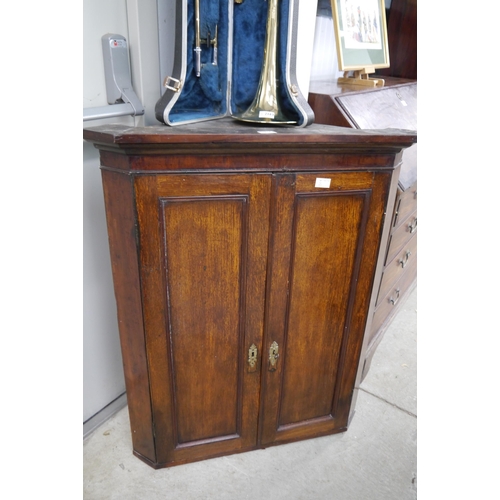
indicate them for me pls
(99, 17)
(102, 363)
(305, 43)
(325, 64)
(137, 21)
(143, 42)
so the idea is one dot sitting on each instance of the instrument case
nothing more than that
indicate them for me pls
(230, 67)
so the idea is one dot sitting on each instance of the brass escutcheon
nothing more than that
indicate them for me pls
(273, 356)
(252, 358)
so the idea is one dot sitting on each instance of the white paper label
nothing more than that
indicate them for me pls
(266, 114)
(323, 183)
(266, 132)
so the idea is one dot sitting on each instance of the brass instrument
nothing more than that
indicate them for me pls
(266, 106)
(215, 43)
(197, 44)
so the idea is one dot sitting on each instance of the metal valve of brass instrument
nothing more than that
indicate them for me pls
(197, 43)
(210, 42)
(213, 42)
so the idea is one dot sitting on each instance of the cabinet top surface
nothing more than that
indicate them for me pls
(334, 88)
(394, 106)
(230, 132)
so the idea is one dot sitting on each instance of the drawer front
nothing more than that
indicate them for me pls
(391, 300)
(406, 204)
(401, 236)
(397, 267)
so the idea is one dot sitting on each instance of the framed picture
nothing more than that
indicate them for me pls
(361, 34)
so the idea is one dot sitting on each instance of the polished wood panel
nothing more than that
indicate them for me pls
(326, 232)
(209, 240)
(205, 345)
(122, 233)
(331, 235)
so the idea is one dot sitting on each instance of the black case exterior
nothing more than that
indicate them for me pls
(229, 86)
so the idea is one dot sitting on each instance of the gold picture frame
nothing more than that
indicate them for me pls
(361, 35)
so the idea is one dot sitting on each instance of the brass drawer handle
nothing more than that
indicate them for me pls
(395, 301)
(404, 261)
(273, 356)
(413, 226)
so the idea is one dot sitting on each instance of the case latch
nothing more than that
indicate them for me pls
(177, 84)
(294, 90)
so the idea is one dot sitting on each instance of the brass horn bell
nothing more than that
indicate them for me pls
(266, 106)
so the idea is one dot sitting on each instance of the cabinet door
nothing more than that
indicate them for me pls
(203, 244)
(322, 264)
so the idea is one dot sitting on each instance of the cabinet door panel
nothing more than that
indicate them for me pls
(205, 319)
(208, 237)
(318, 324)
(326, 232)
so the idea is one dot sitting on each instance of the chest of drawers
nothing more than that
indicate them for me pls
(393, 106)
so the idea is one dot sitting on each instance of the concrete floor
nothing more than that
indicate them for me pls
(376, 459)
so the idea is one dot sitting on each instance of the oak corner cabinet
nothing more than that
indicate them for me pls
(243, 263)
(394, 105)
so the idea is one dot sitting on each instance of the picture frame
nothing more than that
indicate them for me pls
(361, 34)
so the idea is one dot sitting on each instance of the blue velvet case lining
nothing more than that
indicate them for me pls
(205, 96)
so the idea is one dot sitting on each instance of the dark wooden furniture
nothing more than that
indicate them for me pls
(243, 262)
(394, 105)
(402, 39)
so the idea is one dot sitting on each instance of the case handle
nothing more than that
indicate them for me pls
(177, 83)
